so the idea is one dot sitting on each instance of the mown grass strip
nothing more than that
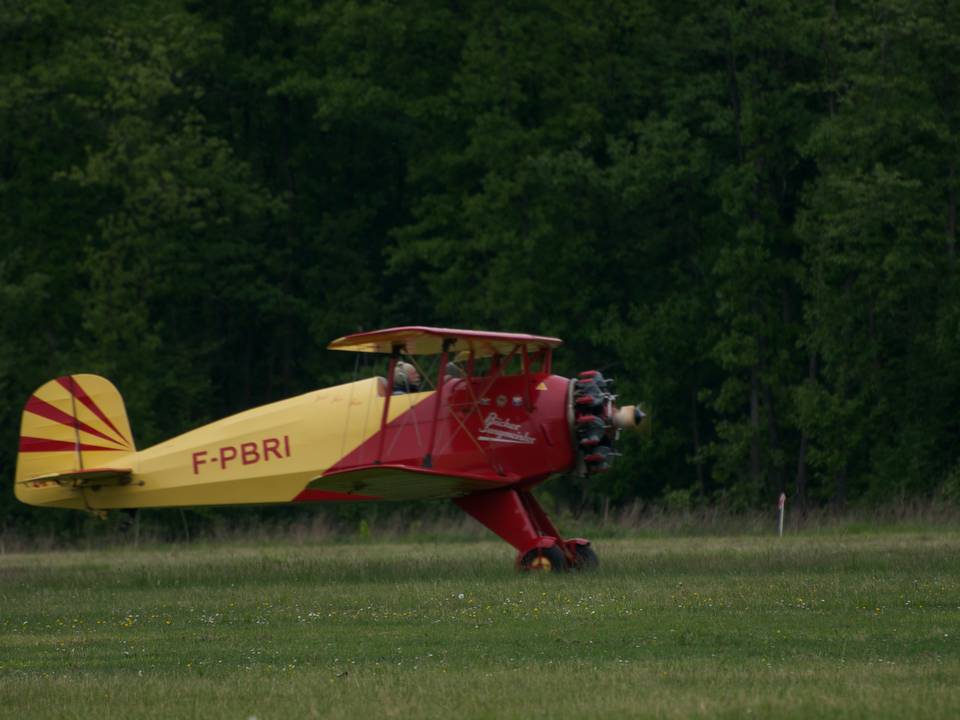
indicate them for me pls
(808, 626)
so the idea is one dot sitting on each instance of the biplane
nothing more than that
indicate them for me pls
(487, 426)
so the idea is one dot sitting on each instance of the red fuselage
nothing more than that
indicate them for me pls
(510, 429)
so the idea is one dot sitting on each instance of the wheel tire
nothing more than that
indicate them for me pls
(585, 558)
(549, 559)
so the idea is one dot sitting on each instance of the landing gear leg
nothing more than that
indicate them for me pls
(516, 516)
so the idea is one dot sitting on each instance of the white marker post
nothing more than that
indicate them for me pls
(780, 505)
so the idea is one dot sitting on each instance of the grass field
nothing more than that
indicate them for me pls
(828, 625)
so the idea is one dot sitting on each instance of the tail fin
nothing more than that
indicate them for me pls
(69, 425)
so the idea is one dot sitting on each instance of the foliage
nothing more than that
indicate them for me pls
(747, 212)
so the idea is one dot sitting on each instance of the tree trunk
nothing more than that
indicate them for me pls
(840, 491)
(952, 215)
(695, 428)
(774, 435)
(773, 431)
(734, 90)
(801, 483)
(755, 425)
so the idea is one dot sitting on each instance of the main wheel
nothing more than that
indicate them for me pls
(548, 559)
(584, 558)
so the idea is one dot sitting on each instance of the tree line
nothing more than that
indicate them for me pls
(744, 210)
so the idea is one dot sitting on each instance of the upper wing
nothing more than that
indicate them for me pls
(416, 340)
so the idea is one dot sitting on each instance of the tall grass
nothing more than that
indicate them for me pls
(419, 522)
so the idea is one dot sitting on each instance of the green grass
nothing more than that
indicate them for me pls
(863, 625)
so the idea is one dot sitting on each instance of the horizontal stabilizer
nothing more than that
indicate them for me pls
(88, 478)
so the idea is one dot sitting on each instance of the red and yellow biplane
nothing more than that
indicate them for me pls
(491, 424)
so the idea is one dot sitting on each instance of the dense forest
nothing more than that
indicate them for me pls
(745, 210)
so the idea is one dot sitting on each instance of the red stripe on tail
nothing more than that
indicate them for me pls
(70, 383)
(44, 409)
(32, 444)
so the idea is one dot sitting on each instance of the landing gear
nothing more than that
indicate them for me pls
(584, 558)
(516, 516)
(548, 559)
(572, 555)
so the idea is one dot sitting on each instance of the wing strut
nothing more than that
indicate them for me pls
(441, 369)
(391, 371)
